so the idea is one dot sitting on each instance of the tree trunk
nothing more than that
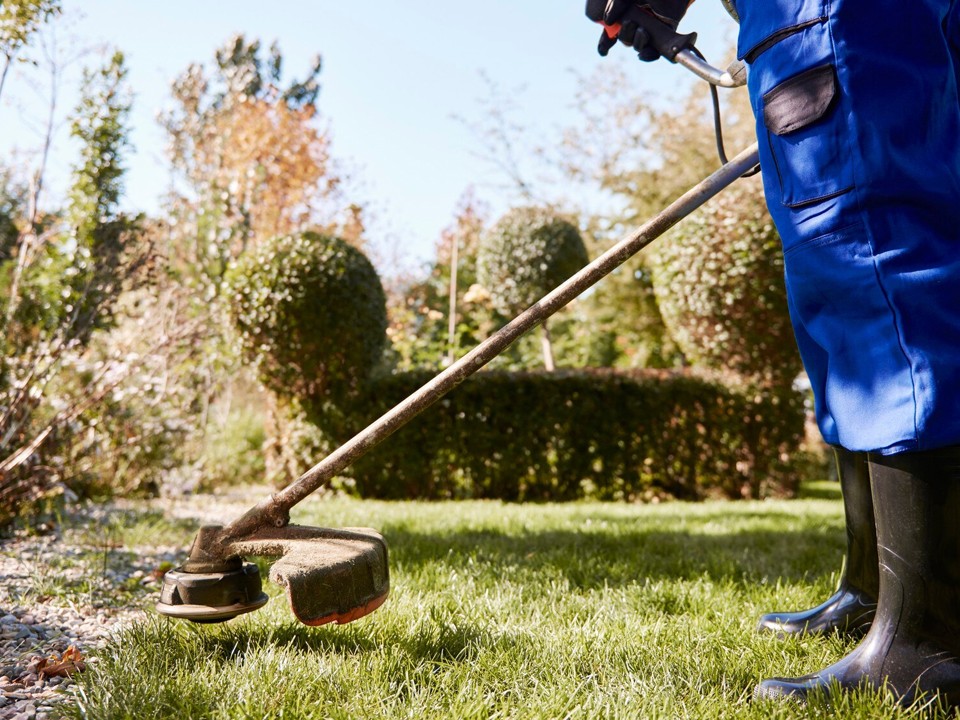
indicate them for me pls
(547, 348)
(452, 310)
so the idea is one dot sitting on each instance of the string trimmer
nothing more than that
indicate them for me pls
(339, 575)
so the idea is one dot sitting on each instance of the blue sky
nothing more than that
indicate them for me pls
(394, 80)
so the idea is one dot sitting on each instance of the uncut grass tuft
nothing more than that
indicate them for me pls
(582, 610)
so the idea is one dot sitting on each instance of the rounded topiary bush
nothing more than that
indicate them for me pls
(527, 253)
(311, 315)
(718, 279)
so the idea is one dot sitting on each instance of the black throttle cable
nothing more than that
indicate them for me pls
(718, 122)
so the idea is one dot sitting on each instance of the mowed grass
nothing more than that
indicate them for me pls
(582, 610)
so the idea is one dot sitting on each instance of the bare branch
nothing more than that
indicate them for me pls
(501, 138)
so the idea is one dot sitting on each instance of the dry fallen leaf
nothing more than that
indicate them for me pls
(66, 665)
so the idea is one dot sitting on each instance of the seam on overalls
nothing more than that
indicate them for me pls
(896, 320)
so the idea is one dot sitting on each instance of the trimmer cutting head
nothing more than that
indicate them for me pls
(213, 596)
(330, 576)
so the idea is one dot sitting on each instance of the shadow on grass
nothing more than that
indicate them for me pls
(820, 490)
(628, 554)
(436, 638)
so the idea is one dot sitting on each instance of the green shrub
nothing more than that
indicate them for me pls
(523, 256)
(294, 443)
(718, 279)
(574, 434)
(527, 253)
(311, 314)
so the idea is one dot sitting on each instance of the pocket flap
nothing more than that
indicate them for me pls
(800, 101)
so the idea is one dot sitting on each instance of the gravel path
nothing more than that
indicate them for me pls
(63, 596)
(37, 631)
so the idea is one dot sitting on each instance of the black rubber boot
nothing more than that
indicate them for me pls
(913, 646)
(851, 608)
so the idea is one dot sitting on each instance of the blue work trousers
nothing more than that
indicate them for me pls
(858, 117)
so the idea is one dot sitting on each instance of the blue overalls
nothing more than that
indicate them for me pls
(858, 117)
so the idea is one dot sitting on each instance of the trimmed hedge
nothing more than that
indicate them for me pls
(573, 434)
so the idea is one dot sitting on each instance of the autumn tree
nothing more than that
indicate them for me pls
(252, 161)
(251, 157)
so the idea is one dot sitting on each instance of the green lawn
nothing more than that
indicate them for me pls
(518, 611)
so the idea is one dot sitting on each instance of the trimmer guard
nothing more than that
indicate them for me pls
(331, 575)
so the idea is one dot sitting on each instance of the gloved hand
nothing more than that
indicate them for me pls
(633, 22)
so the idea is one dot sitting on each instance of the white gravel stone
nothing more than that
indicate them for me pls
(33, 626)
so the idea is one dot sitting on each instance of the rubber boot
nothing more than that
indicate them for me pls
(851, 608)
(913, 646)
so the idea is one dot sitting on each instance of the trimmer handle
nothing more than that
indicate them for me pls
(680, 49)
(734, 76)
(664, 39)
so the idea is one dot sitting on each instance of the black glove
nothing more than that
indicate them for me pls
(636, 22)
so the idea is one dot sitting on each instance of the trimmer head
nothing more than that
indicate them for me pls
(213, 596)
(330, 576)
